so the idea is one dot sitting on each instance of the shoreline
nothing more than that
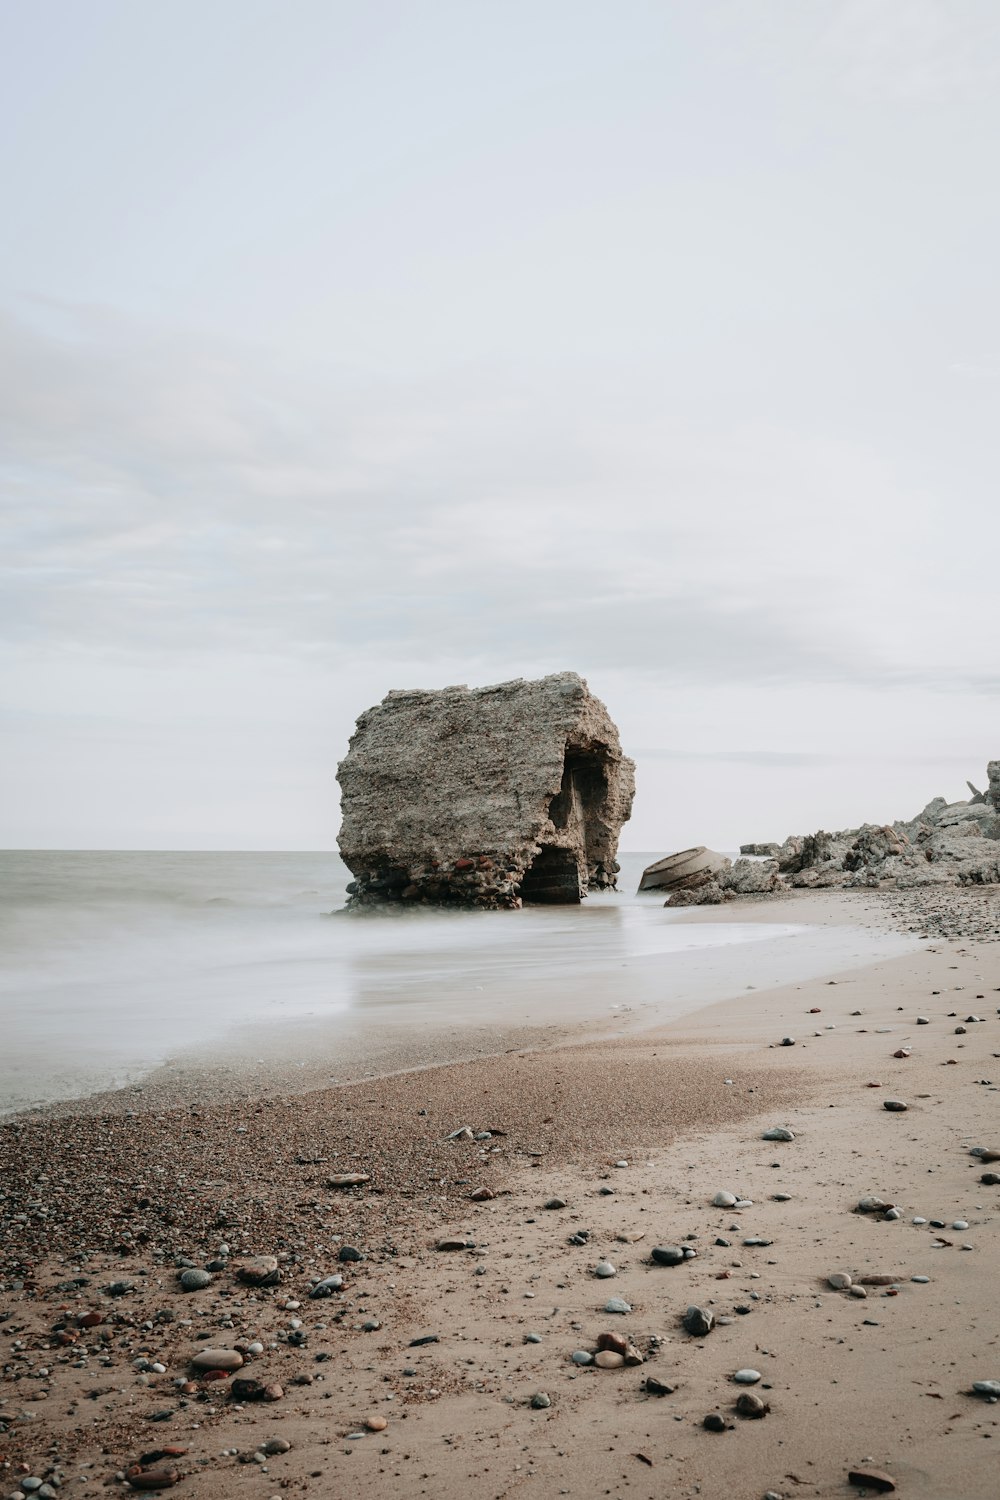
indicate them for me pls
(815, 932)
(121, 1192)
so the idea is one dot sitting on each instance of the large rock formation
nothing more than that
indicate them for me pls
(486, 798)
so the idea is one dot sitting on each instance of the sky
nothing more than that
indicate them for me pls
(346, 348)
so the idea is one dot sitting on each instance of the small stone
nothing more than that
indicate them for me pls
(621, 1163)
(260, 1270)
(617, 1305)
(892, 1213)
(555, 1203)
(698, 1321)
(376, 1424)
(959, 1030)
(667, 1255)
(582, 1357)
(920, 1280)
(990, 1179)
(872, 1479)
(749, 1405)
(349, 1253)
(747, 1377)
(327, 1286)
(277, 1445)
(788, 1041)
(532, 1338)
(454, 1245)
(217, 1359)
(608, 1359)
(604, 1269)
(923, 1020)
(959, 1224)
(540, 1400)
(724, 1200)
(195, 1280)
(617, 1342)
(778, 1133)
(840, 1281)
(348, 1179)
(895, 1106)
(657, 1387)
(482, 1195)
(858, 1291)
(714, 1422)
(989, 1388)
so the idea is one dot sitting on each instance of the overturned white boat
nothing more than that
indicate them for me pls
(688, 867)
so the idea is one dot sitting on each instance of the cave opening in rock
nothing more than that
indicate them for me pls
(559, 872)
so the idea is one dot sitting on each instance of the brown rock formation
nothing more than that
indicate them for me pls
(485, 798)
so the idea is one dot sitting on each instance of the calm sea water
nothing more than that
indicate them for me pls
(112, 962)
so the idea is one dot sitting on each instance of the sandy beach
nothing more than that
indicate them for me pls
(417, 1375)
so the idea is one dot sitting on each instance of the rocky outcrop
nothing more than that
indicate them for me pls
(490, 797)
(993, 791)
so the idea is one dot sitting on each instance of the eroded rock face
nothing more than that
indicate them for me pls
(486, 798)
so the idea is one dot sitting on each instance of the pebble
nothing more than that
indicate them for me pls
(858, 1291)
(347, 1179)
(714, 1422)
(990, 1388)
(540, 1400)
(724, 1200)
(657, 1387)
(920, 1280)
(604, 1269)
(751, 1406)
(532, 1338)
(217, 1359)
(747, 1377)
(582, 1357)
(840, 1281)
(895, 1106)
(959, 1224)
(482, 1195)
(778, 1133)
(327, 1286)
(893, 1213)
(455, 1245)
(555, 1203)
(614, 1341)
(376, 1424)
(617, 1305)
(195, 1280)
(698, 1321)
(260, 1270)
(872, 1479)
(349, 1253)
(788, 1041)
(609, 1359)
(667, 1255)
(621, 1163)
(919, 1220)
(923, 1021)
(279, 1445)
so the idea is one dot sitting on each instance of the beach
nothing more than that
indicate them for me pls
(417, 1375)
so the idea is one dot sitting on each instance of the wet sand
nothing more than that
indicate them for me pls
(120, 1189)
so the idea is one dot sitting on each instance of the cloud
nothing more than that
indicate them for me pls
(164, 493)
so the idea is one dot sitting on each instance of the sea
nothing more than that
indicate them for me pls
(112, 963)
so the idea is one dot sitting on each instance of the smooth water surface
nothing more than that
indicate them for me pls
(112, 962)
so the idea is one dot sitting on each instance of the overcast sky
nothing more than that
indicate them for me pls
(354, 346)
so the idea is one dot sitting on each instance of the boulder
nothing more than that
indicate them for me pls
(489, 798)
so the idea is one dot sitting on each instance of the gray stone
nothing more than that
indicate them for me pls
(698, 1321)
(667, 1255)
(327, 1286)
(617, 1305)
(604, 1268)
(747, 1377)
(724, 1200)
(778, 1133)
(540, 1400)
(507, 794)
(582, 1357)
(195, 1280)
(990, 1388)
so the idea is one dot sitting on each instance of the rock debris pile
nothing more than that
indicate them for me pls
(946, 844)
(484, 798)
